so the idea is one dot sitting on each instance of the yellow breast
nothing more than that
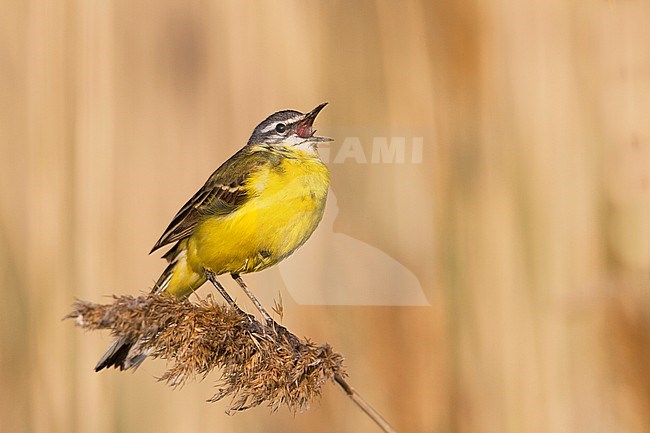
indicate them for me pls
(287, 203)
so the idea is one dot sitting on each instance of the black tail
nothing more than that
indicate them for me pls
(122, 354)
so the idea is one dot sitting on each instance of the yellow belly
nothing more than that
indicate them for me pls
(287, 205)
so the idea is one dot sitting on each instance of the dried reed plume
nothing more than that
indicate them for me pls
(259, 363)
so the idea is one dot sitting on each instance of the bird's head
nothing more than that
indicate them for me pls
(288, 128)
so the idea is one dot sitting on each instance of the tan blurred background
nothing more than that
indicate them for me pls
(527, 222)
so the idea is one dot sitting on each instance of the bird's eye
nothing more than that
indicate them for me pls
(280, 127)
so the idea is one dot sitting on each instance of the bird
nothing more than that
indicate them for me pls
(254, 211)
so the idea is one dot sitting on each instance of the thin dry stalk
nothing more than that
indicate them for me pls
(364, 405)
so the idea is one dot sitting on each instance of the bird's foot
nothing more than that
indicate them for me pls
(283, 332)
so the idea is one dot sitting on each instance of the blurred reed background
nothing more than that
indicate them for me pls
(527, 222)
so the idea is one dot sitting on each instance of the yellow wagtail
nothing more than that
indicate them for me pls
(254, 211)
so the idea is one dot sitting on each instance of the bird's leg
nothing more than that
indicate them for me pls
(281, 330)
(213, 279)
(251, 319)
(258, 305)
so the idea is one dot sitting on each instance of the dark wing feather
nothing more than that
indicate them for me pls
(222, 194)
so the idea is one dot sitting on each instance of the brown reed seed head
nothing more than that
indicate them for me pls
(259, 363)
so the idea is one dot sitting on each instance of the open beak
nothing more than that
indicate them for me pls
(304, 127)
